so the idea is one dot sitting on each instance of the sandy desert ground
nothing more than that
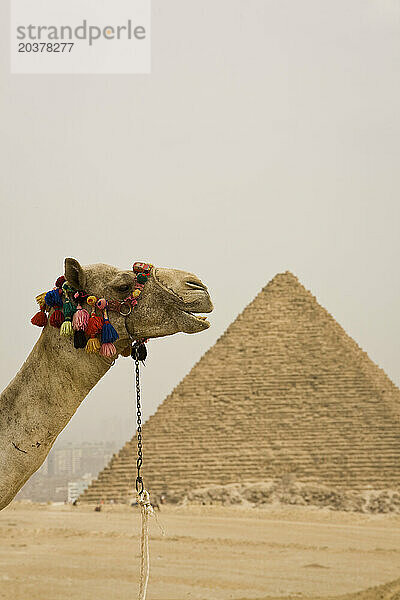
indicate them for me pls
(213, 553)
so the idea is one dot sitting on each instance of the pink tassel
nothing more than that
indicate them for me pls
(108, 349)
(80, 319)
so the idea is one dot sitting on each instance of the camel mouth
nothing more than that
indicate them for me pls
(200, 319)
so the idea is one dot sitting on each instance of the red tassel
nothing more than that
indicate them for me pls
(57, 318)
(94, 326)
(40, 319)
(60, 281)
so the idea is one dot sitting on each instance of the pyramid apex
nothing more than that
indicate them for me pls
(286, 276)
(285, 279)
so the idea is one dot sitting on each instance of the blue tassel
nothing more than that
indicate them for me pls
(53, 298)
(108, 333)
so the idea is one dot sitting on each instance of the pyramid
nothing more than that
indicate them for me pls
(283, 390)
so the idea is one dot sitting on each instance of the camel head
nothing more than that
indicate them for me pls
(170, 301)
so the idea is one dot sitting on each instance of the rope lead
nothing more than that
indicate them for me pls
(142, 495)
(146, 510)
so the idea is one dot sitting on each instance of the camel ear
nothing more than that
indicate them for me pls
(74, 274)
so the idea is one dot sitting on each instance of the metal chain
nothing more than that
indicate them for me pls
(139, 461)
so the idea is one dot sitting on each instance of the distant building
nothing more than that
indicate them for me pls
(68, 468)
(72, 459)
(76, 488)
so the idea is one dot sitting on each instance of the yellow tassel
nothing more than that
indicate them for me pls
(66, 329)
(40, 299)
(93, 345)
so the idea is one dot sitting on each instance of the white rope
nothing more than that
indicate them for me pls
(146, 510)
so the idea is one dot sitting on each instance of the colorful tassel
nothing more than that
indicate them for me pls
(94, 327)
(108, 333)
(69, 310)
(40, 299)
(80, 319)
(56, 318)
(66, 328)
(60, 281)
(108, 349)
(79, 339)
(95, 322)
(53, 298)
(93, 346)
(40, 319)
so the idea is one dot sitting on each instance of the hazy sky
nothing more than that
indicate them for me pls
(265, 139)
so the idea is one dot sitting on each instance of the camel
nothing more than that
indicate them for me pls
(56, 377)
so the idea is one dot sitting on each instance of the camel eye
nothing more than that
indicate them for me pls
(123, 288)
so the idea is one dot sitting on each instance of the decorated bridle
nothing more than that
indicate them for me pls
(93, 331)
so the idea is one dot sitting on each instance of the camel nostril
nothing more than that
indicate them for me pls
(196, 285)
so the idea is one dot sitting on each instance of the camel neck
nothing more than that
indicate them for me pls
(39, 402)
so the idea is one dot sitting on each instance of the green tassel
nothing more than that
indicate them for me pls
(69, 309)
(66, 328)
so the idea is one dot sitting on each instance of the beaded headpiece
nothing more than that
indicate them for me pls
(93, 331)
